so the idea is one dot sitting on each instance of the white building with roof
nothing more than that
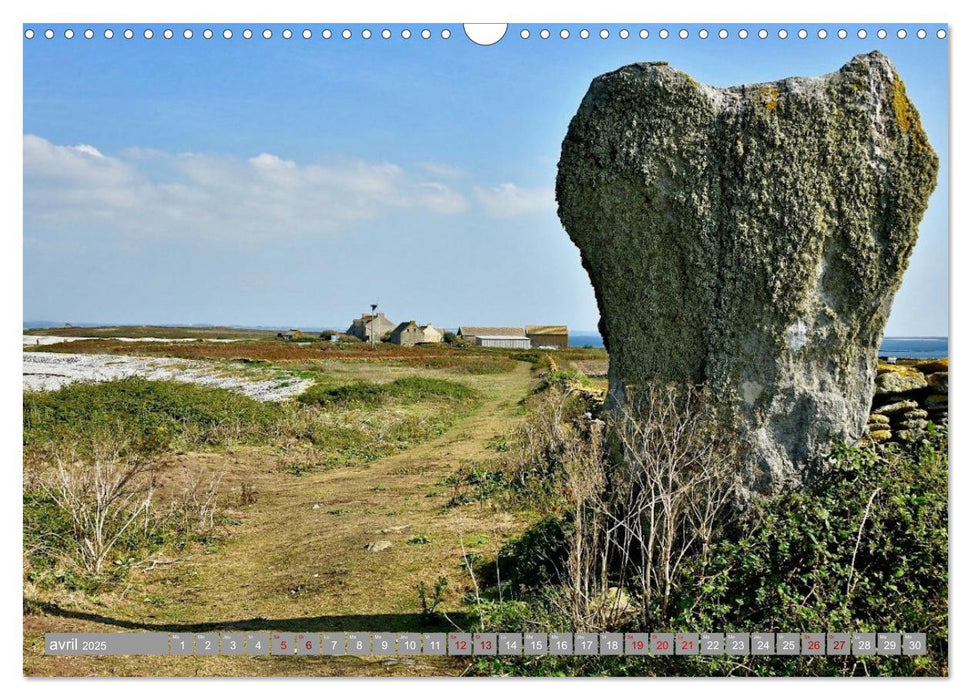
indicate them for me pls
(517, 342)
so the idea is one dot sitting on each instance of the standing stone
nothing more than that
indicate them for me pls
(751, 239)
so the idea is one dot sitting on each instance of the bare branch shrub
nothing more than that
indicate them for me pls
(196, 506)
(677, 472)
(644, 490)
(104, 496)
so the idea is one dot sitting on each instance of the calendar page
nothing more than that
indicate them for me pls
(528, 349)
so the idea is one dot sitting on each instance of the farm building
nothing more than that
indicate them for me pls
(363, 327)
(470, 333)
(519, 342)
(407, 333)
(548, 336)
(410, 333)
(430, 334)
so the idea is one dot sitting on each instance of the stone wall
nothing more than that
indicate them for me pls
(907, 397)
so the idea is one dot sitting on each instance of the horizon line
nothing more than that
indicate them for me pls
(103, 324)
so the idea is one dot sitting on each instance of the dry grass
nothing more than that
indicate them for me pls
(294, 558)
(103, 497)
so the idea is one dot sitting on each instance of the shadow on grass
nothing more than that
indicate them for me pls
(413, 622)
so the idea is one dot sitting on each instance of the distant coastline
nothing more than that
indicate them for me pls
(916, 348)
(897, 346)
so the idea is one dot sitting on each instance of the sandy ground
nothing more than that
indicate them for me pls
(48, 371)
(53, 339)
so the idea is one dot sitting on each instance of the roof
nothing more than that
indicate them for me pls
(403, 326)
(546, 330)
(502, 337)
(491, 331)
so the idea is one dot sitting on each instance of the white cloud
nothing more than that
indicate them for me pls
(509, 200)
(268, 160)
(442, 170)
(151, 192)
(90, 150)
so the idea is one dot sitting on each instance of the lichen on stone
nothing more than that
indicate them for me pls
(769, 97)
(750, 239)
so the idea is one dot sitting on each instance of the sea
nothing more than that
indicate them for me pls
(916, 348)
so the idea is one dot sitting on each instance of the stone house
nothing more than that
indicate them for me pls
(410, 333)
(407, 333)
(363, 327)
(430, 334)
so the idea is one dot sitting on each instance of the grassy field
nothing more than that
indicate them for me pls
(373, 452)
(471, 360)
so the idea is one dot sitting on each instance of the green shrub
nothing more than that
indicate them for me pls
(503, 616)
(356, 394)
(407, 390)
(46, 527)
(536, 559)
(414, 389)
(476, 483)
(863, 549)
(151, 415)
(562, 380)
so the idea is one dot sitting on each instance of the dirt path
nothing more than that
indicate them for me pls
(298, 558)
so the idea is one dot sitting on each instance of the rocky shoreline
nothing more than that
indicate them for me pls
(908, 396)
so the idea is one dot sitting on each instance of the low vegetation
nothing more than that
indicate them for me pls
(147, 416)
(621, 524)
(95, 455)
(408, 390)
(471, 360)
(641, 531)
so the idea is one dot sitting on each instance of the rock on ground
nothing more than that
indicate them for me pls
(750, 238)
(893, 383)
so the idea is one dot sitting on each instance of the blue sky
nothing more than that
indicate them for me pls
(293, 182)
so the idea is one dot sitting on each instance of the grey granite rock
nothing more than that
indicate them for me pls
(751, 239)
